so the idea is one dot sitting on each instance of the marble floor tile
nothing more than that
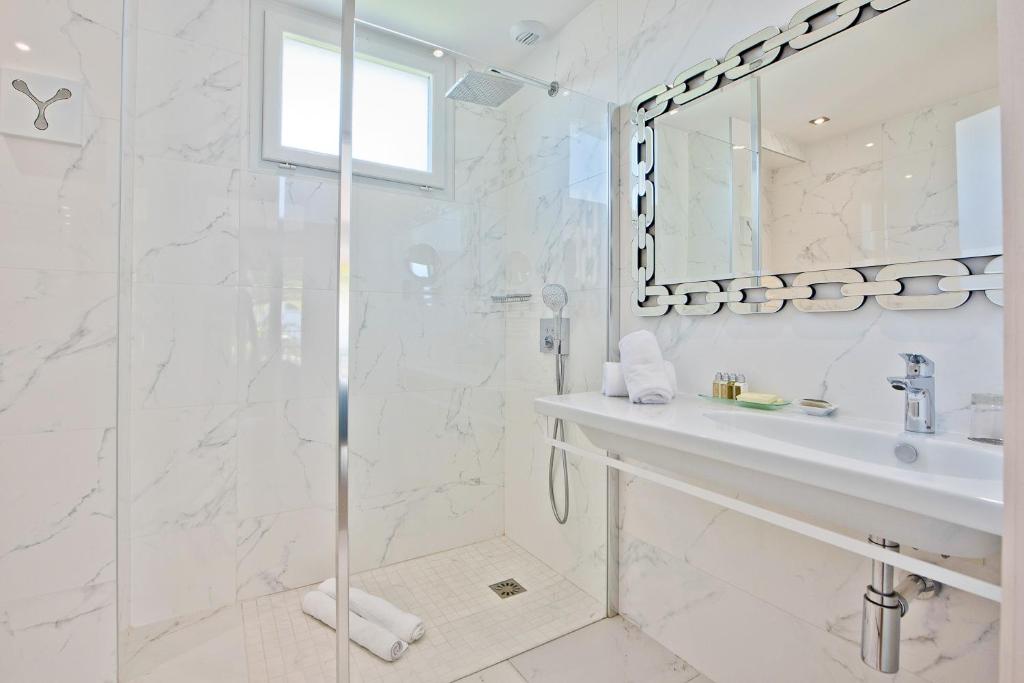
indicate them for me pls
(499, 673)
(610, 651)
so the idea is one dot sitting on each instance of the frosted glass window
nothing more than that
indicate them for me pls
(310, 96)
(391, 115)
(399, 109)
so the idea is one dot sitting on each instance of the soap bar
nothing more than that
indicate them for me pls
(751, 397)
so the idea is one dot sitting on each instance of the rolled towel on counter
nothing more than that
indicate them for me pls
(374, 638)
(613, 383)
(406, 626)
(643, 368)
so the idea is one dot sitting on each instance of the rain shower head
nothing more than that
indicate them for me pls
(492, 87)
(555, 297)
(487, 89)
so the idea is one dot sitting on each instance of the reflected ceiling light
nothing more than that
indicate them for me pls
(737, 146)
(870, 144)
(821, 120)
(24, 47)
(673, 112)
(909, 176)
(439, 53)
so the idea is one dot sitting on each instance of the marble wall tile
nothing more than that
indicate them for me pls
(287, 456)
(63, 636)
(289, 227)
(56, 532)
(283, 551)
(188, 101)
(186, 223)
(216, 23)
(421, 440)
(180, 572)
(286, 343)
(184, 348)
(58, 350)
(184, 468)
(419, 342)
(205, 647)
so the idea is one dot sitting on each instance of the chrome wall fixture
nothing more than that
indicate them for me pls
(816, 22)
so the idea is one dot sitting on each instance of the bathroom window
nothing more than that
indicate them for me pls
(399, 110)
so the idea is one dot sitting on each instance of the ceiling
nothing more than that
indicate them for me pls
(477, 28)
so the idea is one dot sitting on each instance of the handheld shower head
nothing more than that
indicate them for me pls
(555, 297)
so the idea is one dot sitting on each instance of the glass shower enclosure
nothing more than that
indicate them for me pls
(258, 266)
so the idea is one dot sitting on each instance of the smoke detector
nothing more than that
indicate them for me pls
(528, 32)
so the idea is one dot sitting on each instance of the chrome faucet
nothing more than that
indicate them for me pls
(919, 393)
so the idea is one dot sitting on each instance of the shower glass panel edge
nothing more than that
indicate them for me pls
(344, 274)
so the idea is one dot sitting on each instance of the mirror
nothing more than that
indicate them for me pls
(907, 166)
(879, 145)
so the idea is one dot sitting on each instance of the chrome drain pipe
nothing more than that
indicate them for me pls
(884, 606)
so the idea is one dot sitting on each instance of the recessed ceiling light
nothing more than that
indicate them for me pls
(821, 120)
(24, 47)
(439, 53)
(870, 144)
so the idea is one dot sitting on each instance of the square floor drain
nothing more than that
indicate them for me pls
(507, 588)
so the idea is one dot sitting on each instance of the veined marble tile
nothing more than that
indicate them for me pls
(610, 651)
(222, 24)
(63, 180)
(184, 468)
(499, 673)
(480, 148)
(700, 618)
(82, 239)
(287, 454)
(64, 636)
(186, 223)
(79, 41)
(409, 342)
(434, 246)
(289, 231)
(392, 527)
(181, 572)
(206, 647)
(413, 440)
(57, 524)
(189, 101)
(286, 341)
(58, 351)
(184, 346)
(286, 550)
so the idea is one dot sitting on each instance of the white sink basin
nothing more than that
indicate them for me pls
(832, 471)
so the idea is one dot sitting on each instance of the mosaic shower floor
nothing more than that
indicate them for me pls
(469, 627)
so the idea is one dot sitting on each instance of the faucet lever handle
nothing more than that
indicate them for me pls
(918, 365)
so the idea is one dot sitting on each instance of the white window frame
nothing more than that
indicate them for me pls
(373, 45)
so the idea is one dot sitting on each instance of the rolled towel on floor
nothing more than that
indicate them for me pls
(408, 627)
(613, 382)
(374, 638)
(643, 368)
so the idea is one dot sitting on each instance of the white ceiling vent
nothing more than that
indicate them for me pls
(528, 32)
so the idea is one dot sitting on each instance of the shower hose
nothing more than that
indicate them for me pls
(558, 434)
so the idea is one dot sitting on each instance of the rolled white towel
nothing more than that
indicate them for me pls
(613, 382)
(408, 627)
(643, 368)
(374, 638)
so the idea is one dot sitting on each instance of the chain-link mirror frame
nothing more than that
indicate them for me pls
(817, 21)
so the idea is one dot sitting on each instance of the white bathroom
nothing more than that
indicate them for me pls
(584, 341)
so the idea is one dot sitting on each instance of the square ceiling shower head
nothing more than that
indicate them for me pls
(483, 88)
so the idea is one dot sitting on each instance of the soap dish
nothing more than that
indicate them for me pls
(817, 407)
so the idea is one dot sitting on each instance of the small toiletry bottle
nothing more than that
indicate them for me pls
(716, 386)
(741, 384)
(730, 391)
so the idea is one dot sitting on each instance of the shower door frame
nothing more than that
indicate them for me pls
(343, 251)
